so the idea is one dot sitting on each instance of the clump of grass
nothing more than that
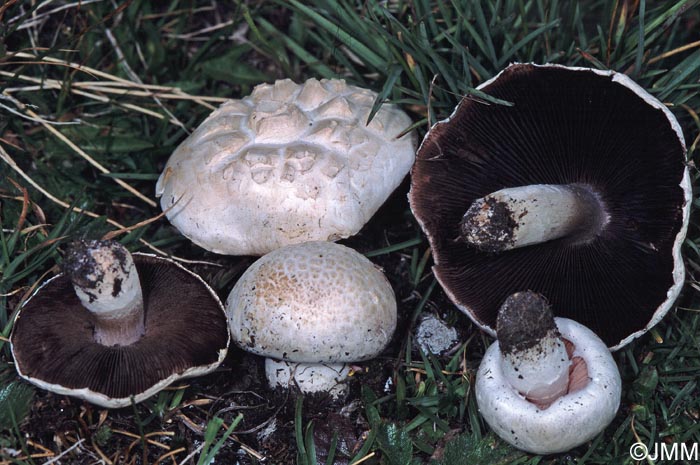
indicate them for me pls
(94, 97)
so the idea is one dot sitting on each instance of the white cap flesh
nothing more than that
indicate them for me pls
(572, 419)
(288, 164)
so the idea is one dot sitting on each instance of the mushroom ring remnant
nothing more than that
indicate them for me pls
(570, 418)
(579, 191)
(288, 164)
(319, 305)
(57, 343)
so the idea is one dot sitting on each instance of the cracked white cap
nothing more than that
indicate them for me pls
(316, 302)
(288, 164)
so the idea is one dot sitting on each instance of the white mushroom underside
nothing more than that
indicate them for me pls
(288, 164)
(572, 419)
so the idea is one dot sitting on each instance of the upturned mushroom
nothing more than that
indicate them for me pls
(115, 328)
(579, 190)
(548, 384)
(288, 164)
(310, 309)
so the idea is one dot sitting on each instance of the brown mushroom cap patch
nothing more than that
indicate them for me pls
(185, 327)
(565, 126)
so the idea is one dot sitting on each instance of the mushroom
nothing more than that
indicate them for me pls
(548, 384)
(318, 305)
(288, 164)
(115, 328)
(579, 191)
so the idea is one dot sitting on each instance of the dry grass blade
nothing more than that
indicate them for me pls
(25, 203)
(112, 234)
(147, 90)
(252, 452)
(135, 78)
(53, 84)
(87, 157)
(4, 96)
(7, 159)
(192, 454)
(65, 452)
(101, 454)
(39, 18)
(170, 455)
(205, 30)
(674, 52)
(365, 458)
(92, 161)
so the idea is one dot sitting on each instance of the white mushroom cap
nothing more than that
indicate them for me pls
(288, 164)
(572, 419)
(316, 302)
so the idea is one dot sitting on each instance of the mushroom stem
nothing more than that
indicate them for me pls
(309, 377)
(525, 215)
(534, 359)
(106, 281)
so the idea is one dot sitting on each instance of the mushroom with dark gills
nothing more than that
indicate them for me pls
(289, 163)
(115, 328)
(548, 384)
(579, 191)
(311, 309)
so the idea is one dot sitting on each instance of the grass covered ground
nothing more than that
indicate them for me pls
(97, 94)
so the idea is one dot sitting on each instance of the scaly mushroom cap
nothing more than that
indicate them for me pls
(567, 126)
(186, 334)
(288, 164)
(316, 302)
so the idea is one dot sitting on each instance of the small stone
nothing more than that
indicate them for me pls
(433, 336)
